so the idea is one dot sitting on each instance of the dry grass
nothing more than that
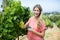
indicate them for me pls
(52, 34)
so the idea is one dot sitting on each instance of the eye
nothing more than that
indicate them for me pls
(34, 10)
(37, 10)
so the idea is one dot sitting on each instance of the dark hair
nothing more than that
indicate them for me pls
(39, 7)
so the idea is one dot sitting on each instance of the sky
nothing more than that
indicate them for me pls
(47, 5)
(0, 5)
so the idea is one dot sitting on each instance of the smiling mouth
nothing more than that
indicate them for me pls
(36, 14)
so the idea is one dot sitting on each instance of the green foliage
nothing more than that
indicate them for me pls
(47, 21)
(26, 16)
(55, 18)
(58, 23)
(9, 23)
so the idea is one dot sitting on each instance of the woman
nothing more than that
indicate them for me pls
(37, 25)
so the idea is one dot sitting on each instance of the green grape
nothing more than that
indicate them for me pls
(21, 25)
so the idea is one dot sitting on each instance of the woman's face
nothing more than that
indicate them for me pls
(36, 12)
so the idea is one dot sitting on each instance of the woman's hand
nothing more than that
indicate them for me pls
(30, 29)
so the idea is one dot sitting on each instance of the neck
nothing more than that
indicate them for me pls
(36, 17)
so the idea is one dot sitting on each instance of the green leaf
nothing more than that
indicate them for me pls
(15, 17)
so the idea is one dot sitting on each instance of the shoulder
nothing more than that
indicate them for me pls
(31, 18)
(42, 21)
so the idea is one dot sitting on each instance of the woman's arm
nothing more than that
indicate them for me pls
(25, 25)
(38, 33)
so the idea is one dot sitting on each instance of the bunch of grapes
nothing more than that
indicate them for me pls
(21, 24)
